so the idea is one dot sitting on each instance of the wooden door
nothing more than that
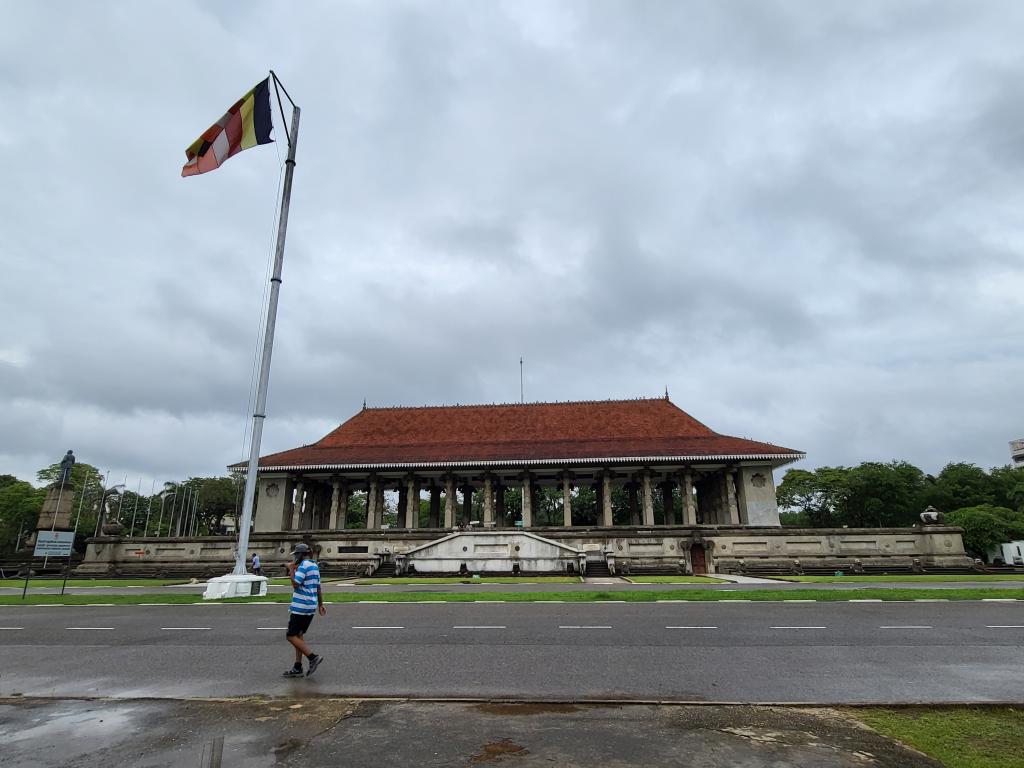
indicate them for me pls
(697, 559)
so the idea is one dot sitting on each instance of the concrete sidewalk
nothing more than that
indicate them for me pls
(318, 732)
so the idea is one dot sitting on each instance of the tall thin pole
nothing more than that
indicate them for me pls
(149, 510)
(258, 414)
(135, 509)
(81, 499)
(521, 400)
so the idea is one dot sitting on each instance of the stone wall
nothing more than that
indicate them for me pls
(726, 548)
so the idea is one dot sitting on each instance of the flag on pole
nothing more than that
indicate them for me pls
(245, 125)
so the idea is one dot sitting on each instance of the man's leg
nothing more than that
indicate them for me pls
(301, 649)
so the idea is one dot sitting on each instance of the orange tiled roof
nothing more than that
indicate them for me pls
(521, 434)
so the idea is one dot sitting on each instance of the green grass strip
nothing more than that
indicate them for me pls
(886, 578)
(959, 737)
(647, 596)
(673, 580)
(481, 580)
(19, 583)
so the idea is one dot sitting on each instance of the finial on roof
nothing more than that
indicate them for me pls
(364, 403)
(666, 391)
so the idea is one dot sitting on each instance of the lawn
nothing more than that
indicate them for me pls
(646, 596)
(673, 580)
(79, 583)
(959, 737)
(898, 577)
(470, 580)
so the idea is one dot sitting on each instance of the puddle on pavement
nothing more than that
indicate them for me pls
(97, 724)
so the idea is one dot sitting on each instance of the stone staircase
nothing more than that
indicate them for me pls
(598, 569)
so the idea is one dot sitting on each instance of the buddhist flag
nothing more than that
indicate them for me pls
(245, 125)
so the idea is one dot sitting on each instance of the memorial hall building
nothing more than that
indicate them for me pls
(648, 454)
(598, 488)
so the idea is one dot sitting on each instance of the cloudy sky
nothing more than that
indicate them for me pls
(805, 219)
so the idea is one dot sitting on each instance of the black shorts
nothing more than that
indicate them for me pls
(298, 623)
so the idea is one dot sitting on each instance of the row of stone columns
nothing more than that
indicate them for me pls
(310, 506)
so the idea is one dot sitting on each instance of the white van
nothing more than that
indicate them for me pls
(1010, 553)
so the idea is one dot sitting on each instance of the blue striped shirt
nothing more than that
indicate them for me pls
(307, 576)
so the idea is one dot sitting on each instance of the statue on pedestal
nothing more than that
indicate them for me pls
(66, 465)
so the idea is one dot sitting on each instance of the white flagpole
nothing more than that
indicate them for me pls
(268, 347)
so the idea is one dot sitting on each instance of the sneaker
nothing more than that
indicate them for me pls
(293, 672)
(314, 662)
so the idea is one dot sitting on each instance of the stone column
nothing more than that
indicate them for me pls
(689, 509)
(467, 504)
(648, 498)
(435, 506)
(488, 501)
(730, 499)
(380, 504)
(607, 520)
(372, 494)
(289, 505)
(527, 500)
(499, 505)
(400, 514)
(634, 506)
(335, 501)
(343, 507)
(300, 496)
(449, 502)
(412, 503)
(666, 503)
(566, 501)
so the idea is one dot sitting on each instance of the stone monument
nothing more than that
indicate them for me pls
(57, 506)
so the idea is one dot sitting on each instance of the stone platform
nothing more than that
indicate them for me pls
(624, 550)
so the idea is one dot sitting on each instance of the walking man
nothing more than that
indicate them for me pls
(307, 600)
(256, 569)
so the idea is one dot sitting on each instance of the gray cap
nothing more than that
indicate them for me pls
(301, 549)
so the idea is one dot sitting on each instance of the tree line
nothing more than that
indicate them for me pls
(988, 505)
(196, 504)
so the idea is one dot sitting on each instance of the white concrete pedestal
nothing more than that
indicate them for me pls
(234, 585)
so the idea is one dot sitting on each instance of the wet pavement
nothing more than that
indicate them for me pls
(315, 732)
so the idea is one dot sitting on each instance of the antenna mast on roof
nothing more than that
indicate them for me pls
(521, 400)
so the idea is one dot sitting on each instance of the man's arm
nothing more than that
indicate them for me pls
(320, 601)
(291, 575)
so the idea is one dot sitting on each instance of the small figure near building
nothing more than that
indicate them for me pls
(256, 569)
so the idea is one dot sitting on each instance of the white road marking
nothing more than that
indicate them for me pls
(799, 627)
(274, 628)
(88, 628)
(999, 600)
(932, 600)
(605, 626)
(11, 628)
(907, 626)
(862, 600)
(467, 626)
(799, 601)
(488, 601)
(691, 627)
(378, 627)
(987, 626)
(183, 629)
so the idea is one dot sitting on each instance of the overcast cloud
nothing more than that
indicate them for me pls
(803, 218)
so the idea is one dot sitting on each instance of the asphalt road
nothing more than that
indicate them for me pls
(733, 652)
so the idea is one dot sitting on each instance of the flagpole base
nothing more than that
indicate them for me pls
(234, 585)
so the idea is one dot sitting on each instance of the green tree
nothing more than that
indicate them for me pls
(819, 497)
(1008, 486)
(883, 495)
(959, 485)
(20, 504)
(986, 526)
